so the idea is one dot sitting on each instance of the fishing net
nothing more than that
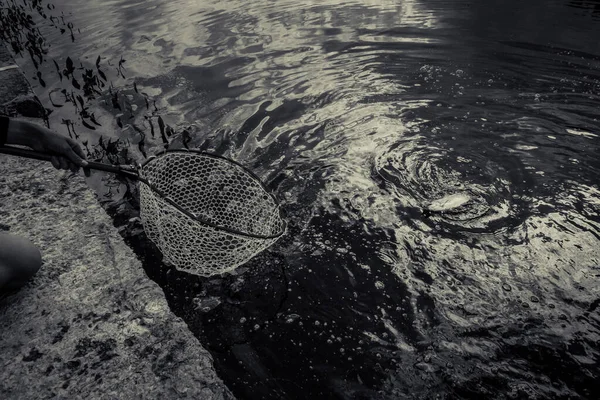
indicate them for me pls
(207, 214)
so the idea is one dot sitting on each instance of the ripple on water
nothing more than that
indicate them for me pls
(455, 189)
(502, 136)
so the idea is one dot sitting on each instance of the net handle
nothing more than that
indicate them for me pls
(131, 172)
(127, 170)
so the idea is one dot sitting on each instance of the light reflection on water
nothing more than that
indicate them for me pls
(438, 164)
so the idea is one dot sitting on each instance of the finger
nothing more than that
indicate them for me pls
(55, 162)
(64, 163)
(77, 149)
(73, 167)
(75, 154)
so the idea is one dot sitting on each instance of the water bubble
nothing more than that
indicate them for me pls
(206, 304)
(422, 366)
(291, 318)
(506, 287)
(379, 285)
(534, 299)
(256, 327)
(242, 320)
(358, 202)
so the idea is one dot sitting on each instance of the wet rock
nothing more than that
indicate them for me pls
(13, 85)
(30, 107)
(90, 321)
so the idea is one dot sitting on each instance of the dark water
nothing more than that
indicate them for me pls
(437, 161)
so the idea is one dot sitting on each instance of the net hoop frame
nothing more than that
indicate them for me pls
(195, 217)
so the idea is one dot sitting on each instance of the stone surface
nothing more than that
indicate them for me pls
(16, 97)
(90, 325)
(12, 85)
(5, 58)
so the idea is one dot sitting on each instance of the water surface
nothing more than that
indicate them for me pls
(437, 162)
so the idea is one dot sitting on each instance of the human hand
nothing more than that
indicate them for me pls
(68, 153)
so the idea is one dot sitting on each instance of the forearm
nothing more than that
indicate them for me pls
(21, 132)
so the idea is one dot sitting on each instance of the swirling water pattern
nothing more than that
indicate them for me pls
(438, 163)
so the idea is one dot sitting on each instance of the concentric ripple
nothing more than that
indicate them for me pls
(458, 191)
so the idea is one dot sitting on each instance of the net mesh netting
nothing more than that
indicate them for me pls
(236, 217)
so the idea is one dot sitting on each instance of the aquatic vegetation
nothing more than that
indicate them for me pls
(87, 84)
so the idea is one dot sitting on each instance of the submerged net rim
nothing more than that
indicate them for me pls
(145, 181)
